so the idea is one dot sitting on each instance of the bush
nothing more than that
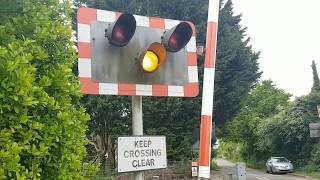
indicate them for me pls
(310, 168)
(214, 165)
(315, 155)
(42, 127)
(254, 163)
(230, 150)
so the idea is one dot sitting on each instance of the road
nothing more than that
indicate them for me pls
(260, 175)
(253, 174)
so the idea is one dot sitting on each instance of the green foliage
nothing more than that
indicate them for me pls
(315, 156)
(309, 168)
(309, 172)
(316, 81)
(177, 119)
(42, 127)
(295, 130)
(269, 138)
(214, 165)
(9, 8)
(236, 152)
(265, 100)
(268, 125)
(230, 150)
(110, 117)
(287, 133)
(237, 68)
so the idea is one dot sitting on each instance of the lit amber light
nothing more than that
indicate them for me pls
(150, 62)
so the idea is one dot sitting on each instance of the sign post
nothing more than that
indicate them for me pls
(137, 126)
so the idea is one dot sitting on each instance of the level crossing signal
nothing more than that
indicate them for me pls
(123, 51)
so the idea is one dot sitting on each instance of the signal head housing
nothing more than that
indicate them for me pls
(177, 37)
(122, 54)
(122, 30)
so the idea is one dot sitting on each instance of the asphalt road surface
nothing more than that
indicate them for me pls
(253, 174)
(260, 175)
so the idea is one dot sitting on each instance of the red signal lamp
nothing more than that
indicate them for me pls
(118, 34)
(122, 30)
(177, 37)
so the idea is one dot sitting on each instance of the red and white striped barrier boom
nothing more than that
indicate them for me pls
(208, 89)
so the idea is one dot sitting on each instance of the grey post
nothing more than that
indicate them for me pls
(137, 125)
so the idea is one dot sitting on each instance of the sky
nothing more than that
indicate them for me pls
(287, 34)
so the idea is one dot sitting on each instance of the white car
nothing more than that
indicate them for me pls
(279, 165)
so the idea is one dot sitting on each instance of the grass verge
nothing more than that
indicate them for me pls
(309, 174)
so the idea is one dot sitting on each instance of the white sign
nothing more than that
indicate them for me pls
(141, 153)
(194, 171)
(314, 130)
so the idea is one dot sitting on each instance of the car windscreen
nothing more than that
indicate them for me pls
(280, 160)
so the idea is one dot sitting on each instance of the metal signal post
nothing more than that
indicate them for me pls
(137, 125)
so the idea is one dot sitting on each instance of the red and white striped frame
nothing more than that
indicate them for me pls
(87, 15)
(208, 90)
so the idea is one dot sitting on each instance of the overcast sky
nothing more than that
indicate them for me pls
(287, 33)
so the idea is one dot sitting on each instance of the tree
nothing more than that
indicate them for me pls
(266, 99)
(269, 125)
(263, 102)
(287, 133)
(295, 129)
(316, 81)
(177, 119)
(237, 68)
(270, 138)
(42, 125)
(110, 117)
